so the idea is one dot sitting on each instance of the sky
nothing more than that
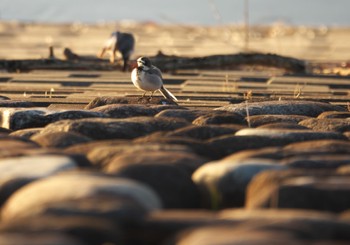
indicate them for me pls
(204, 12)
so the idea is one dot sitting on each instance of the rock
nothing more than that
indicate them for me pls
(37, 238)
(273, 215)
(101, 156)
(125, 110)
(105, 100)
(172, 183)
(334, 114)
(323, 161)
(15, 103)
(347, 134)
(85, 148)
(344, 169)
(345, 216)
(290, 135)
(80, 159)
(188, 115)
(273, 153)
(263, 232)
(101, 101)
(123, 211)
(283, 126)
(19, 118)
(256, 138)
(164, 224)
(16, 147)
(5, 131)
(194, 145)
(10, 145)
(88, 230)
(16, 172)
(106, 128)
(182, 159)
(284, 107)
(16, 119)
(5, 136)
(72, 114)
(223, 146)
(234, 235)
(314, 153)
(76, 186)
(26, 133)
(161, 225)
(215, 118)
(259, 120)
(203, 117)
(224, 183)
(318, 147)
(59, 139)
(204, 132)
(261, 197)
(321, 191)
(326, 124)
(2, 97)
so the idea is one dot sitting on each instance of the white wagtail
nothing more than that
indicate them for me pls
(122, 42)
(147, 77)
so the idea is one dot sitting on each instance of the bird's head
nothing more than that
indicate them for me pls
(144, 62)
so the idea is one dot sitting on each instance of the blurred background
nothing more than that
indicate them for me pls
(202, 12)
(311, 29)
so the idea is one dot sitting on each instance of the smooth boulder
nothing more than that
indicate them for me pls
(281, 107)
(107, 128)
(60, 188)
(223, 183)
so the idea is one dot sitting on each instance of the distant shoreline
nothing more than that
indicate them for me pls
(30, 40)
(133, 22)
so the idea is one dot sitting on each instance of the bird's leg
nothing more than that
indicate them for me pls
(150, 98)
(142, 96)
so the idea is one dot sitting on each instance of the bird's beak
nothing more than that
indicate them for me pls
(133, 64)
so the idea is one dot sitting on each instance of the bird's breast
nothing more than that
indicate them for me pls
(146, 81)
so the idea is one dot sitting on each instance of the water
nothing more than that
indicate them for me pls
(204, 12)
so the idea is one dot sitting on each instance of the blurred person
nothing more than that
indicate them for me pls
(119, 42)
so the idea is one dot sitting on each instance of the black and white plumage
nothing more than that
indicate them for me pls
(119, 42)
(149, 78)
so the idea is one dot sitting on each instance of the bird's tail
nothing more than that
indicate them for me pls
(167, 94)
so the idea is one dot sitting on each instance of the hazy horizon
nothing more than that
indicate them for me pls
(202, 12)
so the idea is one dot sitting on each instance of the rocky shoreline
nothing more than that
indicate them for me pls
(267, 172)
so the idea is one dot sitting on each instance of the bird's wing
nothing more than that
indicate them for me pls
(155, 71)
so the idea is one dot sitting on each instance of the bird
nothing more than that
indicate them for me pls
(148, 78)
(121, 42)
